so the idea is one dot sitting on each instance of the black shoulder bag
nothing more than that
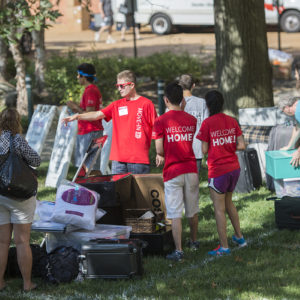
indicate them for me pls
(17, 179)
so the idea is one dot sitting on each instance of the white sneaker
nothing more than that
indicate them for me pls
(110, 41)
(96, 37)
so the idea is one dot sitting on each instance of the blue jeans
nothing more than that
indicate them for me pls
(118, 167)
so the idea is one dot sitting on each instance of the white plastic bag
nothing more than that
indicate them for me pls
(75, 205)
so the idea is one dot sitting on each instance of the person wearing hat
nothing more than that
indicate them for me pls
(91, 101)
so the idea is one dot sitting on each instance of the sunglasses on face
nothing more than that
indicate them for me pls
(122, 85)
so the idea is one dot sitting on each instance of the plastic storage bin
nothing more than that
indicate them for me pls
(278, 164)
(287, 187)
(76, 238)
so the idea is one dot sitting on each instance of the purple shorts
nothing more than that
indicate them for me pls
(224, 183)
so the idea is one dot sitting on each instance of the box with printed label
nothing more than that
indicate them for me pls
(148, 192)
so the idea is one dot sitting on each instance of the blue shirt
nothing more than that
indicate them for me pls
(297, 113)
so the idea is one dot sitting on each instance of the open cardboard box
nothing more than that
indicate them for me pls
(148, 192)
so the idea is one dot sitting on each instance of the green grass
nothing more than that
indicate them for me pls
(268, 268)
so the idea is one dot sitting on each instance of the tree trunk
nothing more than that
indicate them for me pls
(22, 101)
(40, 60)
(243, 69)
(3, 60)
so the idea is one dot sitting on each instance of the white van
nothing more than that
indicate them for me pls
(163, 14)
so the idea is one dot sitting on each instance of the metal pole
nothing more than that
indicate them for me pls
(133, 25)
(278, 25)
(160, 94)
(29, 98)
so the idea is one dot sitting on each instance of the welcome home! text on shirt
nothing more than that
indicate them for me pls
(223, 136)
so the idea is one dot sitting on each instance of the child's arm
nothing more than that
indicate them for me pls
(240, 143)
(204, 147)
(159, 145)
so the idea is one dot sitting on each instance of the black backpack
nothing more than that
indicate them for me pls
(62, 265)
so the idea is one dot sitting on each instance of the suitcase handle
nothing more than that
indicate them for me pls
(272, 199)
(141, 243)
(105, 241)
(295, 217)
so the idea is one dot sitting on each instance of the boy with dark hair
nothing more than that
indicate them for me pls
(173, 133)
(91, 101)
(196, 107)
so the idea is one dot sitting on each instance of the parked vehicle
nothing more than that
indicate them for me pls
(162, 15)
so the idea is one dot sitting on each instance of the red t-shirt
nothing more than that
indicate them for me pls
(177, 128)
(220, 132)
(132, 129)
(91, 98)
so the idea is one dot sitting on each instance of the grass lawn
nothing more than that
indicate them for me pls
(269, 268)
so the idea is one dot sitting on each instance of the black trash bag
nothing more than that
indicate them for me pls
(62, 265)
(39, 257)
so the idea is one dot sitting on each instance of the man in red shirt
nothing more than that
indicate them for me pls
(133, 117)
(91, 101)
(221, 136)
(173, 133)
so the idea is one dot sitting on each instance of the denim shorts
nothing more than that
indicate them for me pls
(118, 167)
(224, 183)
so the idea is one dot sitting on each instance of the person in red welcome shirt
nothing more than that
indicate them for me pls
(173, 133)
(91, 101)
(221, 136)
(133, 117)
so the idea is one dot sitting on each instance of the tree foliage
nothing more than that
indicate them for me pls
(17, 16)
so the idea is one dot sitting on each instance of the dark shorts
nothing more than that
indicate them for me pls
(224, 183)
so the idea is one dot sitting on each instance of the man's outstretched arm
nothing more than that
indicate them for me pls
(88, 116)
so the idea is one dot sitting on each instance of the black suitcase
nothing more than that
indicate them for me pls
(250, 176)
(160, 242)
(287, 212)
(103, 258)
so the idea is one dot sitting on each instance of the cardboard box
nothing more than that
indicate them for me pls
(148, 192)
(278, 164)
(113, 189)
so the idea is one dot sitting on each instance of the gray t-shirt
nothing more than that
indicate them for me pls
(107, 7)
(197, 107)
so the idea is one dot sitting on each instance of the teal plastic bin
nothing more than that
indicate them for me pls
(278, 164)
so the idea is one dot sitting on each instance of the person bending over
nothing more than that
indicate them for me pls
(291, 107)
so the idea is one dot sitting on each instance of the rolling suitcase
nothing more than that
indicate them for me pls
(103, 258)
(250, 176)
(287, 212)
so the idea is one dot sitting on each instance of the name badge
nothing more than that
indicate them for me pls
(123, 111)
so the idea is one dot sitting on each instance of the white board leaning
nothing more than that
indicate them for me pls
(40, 126)
(104, 168)
(62, 151)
